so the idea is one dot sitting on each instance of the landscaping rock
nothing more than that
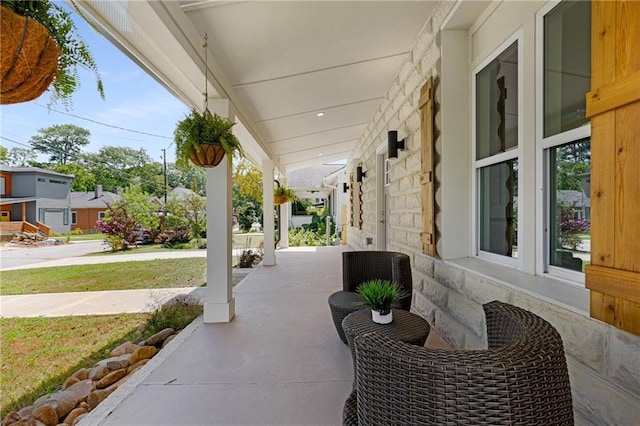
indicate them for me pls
(125, 348)
(111, 378)
(79, 419)
(11, 418)
(81, 389)
(144, 352)
(136, 366)
(25, 412)
(82, 374)
(45, 414)
(98, 372)
(71, 380)
(63, 402)
(115, 363)
(168, 340)
(97, 396)
(159, 337)
(74, 414)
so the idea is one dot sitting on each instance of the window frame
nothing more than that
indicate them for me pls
(543, 144)
(514, 153)
(102, 214)
(74, 217)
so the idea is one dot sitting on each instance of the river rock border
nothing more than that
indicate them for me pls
(83, 392)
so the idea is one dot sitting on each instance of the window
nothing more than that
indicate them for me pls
(42, 180)
(101, 215)
(60, 182)
(74, 218)
(41, 215)
(566, 137)
(3, 183)
(65, 216)
(496, 148)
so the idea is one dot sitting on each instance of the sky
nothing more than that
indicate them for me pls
(133, 100)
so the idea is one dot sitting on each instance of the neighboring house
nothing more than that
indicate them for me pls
(33, 199)
(318, 184)
(88, 207)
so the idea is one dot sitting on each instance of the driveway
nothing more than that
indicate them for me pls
(12, 257)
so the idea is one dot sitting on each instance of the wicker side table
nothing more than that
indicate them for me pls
(341, 305)
(405, 327)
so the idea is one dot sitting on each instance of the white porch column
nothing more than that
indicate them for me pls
(285, 210)
(219, 305)
(269, 258)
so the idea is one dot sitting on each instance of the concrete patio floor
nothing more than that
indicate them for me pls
(279, 362)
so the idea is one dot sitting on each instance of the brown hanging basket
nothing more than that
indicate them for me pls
(279, 199)
(209, 155)
(29, 60)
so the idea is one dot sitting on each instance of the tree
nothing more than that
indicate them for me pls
(83, 179)
(61, 141)
(120, 227)
(120, 167)
(188, 213)
(192, 177)
(21, 157)
(3, 155)
(249, 180)
(139, 205)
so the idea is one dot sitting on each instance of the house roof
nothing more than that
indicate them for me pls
(18, 200)
(15, 170)
(312, 177)
(180, 193)
(88, 200)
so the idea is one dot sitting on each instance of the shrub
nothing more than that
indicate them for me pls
(174, 239)
(120, 227)
(249, 258)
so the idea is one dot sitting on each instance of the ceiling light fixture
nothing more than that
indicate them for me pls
(320, 114)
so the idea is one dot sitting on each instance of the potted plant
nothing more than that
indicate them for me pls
(283, 195)
(380, 295)
(205, 138)
(41, 48)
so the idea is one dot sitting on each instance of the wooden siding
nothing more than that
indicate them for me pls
(86, 219)
(614, 107)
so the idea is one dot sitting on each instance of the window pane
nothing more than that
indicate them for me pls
(570, 167)
(567, 66)
(497, 105)
(498, 208)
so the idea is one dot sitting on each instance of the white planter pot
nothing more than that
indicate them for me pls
(378, 318)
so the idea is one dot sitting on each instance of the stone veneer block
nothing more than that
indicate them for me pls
(584, 339)
(448, 275)
(597, 403)
(483, 290)
(449, 329)
(424, 264)
(467, 312)
(624, 361)
(423, 307)
(435, 292)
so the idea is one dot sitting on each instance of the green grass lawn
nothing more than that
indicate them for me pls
(38, 354)
(85, 237)
(160, 273)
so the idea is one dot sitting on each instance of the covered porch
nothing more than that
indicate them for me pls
(279, 361)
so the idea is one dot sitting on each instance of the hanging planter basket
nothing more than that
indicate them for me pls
(278, 199)
(29, 59)
(207, 155)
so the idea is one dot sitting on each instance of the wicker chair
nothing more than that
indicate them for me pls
(360, 266)
(521, 379)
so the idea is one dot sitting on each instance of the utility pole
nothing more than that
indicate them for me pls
(164, 158)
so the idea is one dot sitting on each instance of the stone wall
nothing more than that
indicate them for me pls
(604, 362)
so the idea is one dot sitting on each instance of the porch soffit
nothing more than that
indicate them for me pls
(279, 64)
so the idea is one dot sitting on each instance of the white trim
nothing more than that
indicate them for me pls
(542, 210)
(514, 153)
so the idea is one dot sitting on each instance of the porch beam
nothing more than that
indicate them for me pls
(269, 258)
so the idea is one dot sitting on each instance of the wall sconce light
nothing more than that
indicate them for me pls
(345, 187)
(394, 144)
(360, 174)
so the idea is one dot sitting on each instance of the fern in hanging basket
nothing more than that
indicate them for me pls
(204, 139)
(33, 61)
(282, 195)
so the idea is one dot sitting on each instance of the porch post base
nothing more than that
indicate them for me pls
(219, 312)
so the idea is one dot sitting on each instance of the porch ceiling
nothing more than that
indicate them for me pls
(279, 64)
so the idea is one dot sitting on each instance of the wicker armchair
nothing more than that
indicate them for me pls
(521, 379)
(360, 266)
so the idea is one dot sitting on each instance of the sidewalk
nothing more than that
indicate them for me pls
(90, 302)
(97, 302)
